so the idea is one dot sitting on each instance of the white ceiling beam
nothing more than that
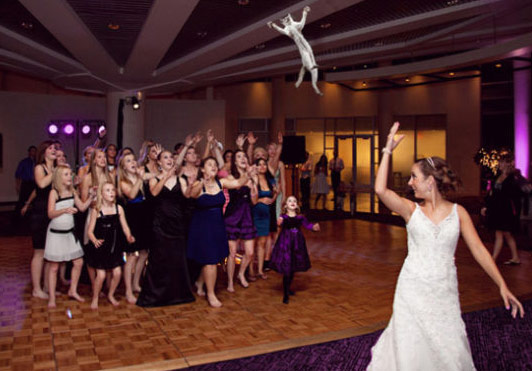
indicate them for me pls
(38, 53)
(164, 22)
(516, 47)
(65, 25)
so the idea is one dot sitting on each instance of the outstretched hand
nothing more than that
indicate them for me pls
(393, 142)
(240, 140)
(511, 302)
(270, 24)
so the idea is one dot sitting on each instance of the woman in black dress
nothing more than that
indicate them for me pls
(503, 208)
(167, 280)
(46, 154)
(131, 189)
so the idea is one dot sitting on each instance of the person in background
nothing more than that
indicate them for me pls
(24, 178)
(304, 182)
(336, 165)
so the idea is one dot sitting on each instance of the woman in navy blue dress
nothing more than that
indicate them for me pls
(267, 194)
(207, 239)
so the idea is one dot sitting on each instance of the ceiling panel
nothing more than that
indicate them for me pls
(129, 16)
(214, 19)
(15, 17)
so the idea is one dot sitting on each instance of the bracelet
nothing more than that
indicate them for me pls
(386, 150)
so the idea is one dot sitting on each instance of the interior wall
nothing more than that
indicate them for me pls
(170, 121)
(459, 100)
(23, 122)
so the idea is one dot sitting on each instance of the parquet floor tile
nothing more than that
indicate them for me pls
(348, 292)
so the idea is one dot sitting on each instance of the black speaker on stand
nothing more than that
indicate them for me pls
(293, 154)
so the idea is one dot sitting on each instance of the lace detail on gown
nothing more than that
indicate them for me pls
(426, 331)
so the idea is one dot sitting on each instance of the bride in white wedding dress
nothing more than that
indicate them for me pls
(426, 331)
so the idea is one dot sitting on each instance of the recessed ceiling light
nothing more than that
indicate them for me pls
(26, 25)
(451, 73)
(243, 2)
(498, 65)
(365, 66)
(260, 46)
(334, 68)
(364, 83)
(201, 34)
(325, 25)
(407, 79)
(113, 26)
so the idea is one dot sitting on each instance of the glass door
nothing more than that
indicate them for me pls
(356, 190)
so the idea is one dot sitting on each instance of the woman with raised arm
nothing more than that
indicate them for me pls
(239, 221)
(167, 281)
(426, 331)
(131, 187)
(209, 249)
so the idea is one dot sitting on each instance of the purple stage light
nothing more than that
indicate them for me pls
(68, 129)
(53, 129)
(85, 129)
(522, 82)
(101, 129)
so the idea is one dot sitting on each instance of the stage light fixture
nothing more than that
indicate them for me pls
(101, 129)
(86, 129)
(135, 103)
(53, 129)
(68, 129)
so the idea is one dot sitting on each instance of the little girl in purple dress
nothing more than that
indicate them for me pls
(290, 251)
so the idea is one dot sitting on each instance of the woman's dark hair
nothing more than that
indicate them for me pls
(234, 169)
(202, 164)
(446, 179)
(269, 177)
(42, 149)
(227, 152)
(321, 163)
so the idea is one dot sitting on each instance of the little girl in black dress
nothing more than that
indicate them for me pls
(290, 253)
(106, 236)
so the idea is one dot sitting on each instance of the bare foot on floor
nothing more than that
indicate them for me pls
(199, 289)
(40, 295)
(230, 288)
(131, 299)
(113, 301)
(94, 304)
(75, 296)
(214, 302)
(51, 304)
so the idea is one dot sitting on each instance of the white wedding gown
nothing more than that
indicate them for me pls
(426, 331)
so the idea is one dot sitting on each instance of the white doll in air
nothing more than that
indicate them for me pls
(293, 29)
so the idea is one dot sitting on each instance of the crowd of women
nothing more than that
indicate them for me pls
(162, 221)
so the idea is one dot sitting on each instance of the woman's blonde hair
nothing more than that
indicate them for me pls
(145, 151)
(92, 169)
(56, 178)
(256, 151)
(122, 174)
(99, 198)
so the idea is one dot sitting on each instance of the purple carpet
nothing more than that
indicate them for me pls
(498, 342)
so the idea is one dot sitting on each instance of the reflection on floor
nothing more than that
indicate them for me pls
(348, 292)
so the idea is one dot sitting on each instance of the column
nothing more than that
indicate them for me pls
(133, 127)
(278, 105)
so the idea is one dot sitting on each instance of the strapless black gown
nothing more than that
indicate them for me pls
(167, 280)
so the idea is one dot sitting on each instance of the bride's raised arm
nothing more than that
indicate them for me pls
(392, 200)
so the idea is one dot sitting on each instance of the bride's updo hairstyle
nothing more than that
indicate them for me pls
(446, 179)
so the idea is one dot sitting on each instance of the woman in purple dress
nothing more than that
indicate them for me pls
(239, 221)
(290, 253)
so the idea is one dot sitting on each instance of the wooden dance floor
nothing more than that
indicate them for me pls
(348, 292)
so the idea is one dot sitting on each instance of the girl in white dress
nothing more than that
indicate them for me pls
(61, 243)
(426, 331)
